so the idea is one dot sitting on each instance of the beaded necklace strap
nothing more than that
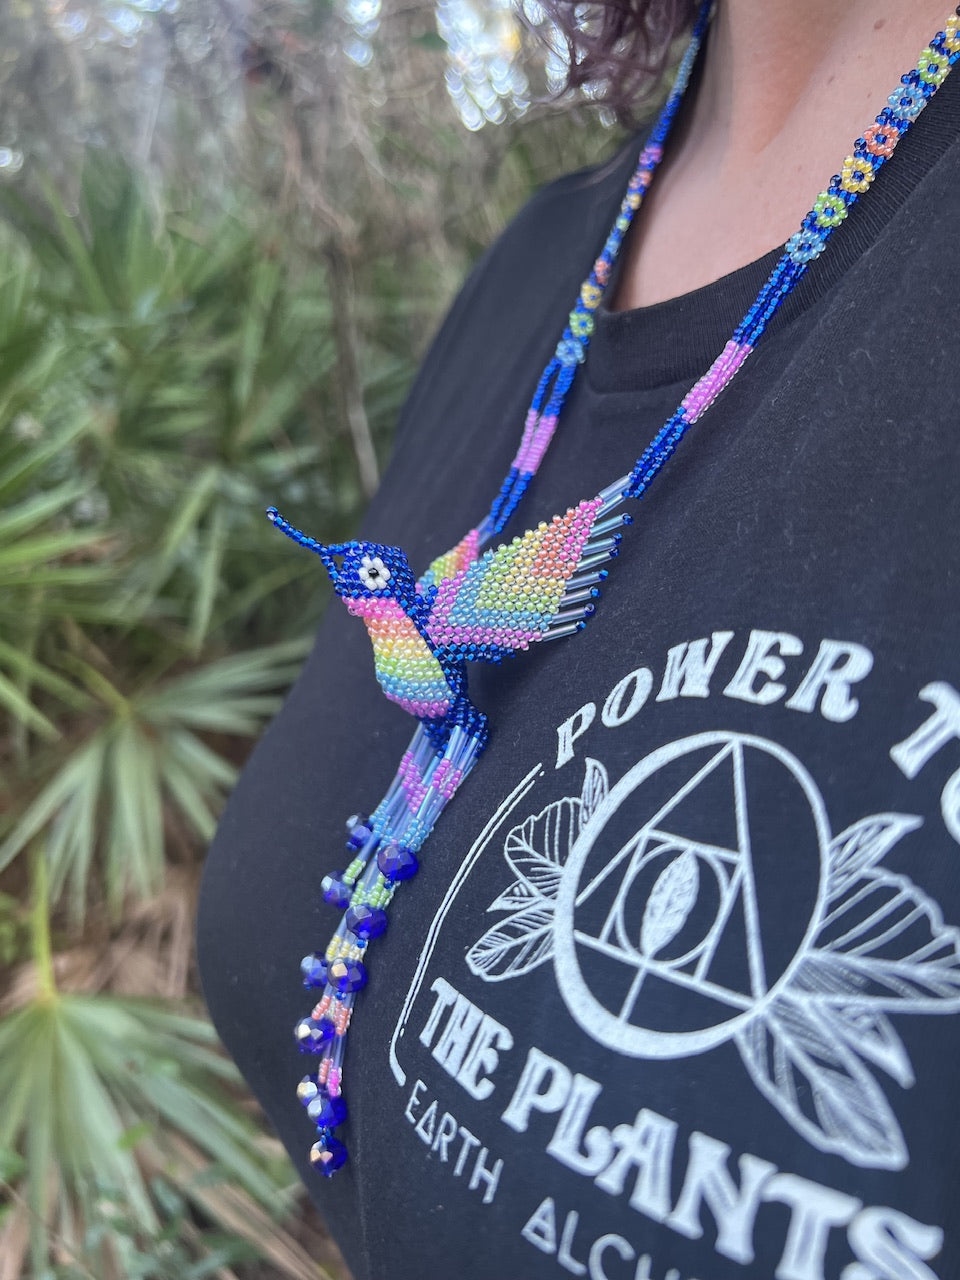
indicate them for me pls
(831, 207)
(571, 351)
(542, 586)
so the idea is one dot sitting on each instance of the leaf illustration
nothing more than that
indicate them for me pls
(537, 849)
(516, 896)
(515, 945)
(861, 846)
(595, 788)
(799, 1060)
(870, 1033)
(887, 941)
(864, 1026)
(670, 902)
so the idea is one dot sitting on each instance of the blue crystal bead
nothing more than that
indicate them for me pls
(312, 1034)
(327, 1112)
(335, 890)
(360, 833)
(347, 975)
(307, 1090)
(396, 862)
(328, 1155)
(366, 921)
(314, 970)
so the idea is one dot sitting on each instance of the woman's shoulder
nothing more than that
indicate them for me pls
(570, 210)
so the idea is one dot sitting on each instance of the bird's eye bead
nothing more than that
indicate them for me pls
(373, 573)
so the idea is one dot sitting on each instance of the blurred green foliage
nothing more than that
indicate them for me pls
(155, 384)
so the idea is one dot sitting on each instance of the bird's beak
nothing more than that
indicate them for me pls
(326, 551)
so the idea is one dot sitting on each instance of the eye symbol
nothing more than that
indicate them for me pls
(373, 573)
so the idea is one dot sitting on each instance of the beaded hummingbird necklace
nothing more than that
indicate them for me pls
(476, 605)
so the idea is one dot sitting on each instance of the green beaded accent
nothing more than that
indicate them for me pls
(381, 893)
(830, 209)
(581, 324)
(354, 869)
(933, 66)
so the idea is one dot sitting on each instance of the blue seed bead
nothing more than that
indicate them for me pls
(314, 970)
(307, 1090)
(335, 890)
(328, 1155)
(396, 862)
(312, 1035)
(327, 1112)
(366, 921)
(347, 975)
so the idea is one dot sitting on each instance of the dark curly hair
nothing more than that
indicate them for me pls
(618, 48)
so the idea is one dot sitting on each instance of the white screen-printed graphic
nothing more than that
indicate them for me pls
(703, 899)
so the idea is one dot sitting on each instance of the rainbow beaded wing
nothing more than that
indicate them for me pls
(537, 587)
(451, 562)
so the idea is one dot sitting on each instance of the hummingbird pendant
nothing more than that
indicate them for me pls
(470, 606)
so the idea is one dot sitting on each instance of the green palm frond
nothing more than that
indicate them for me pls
(114, 1108)
(97, 1089)
(164, 376)
(104, 806)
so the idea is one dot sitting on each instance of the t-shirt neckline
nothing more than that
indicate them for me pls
(673, 341)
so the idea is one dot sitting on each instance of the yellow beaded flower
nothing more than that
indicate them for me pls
(856, 175)
(952, 33)
(590, 295)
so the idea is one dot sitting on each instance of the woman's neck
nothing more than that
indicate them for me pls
(783, 92)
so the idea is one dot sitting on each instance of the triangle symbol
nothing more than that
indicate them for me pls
(730, 966)
(707, 812)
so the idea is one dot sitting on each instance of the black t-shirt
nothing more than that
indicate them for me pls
(674, 993)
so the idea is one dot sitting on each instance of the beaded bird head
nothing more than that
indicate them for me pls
(358, 570)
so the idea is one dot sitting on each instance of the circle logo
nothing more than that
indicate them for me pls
(669, 945)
